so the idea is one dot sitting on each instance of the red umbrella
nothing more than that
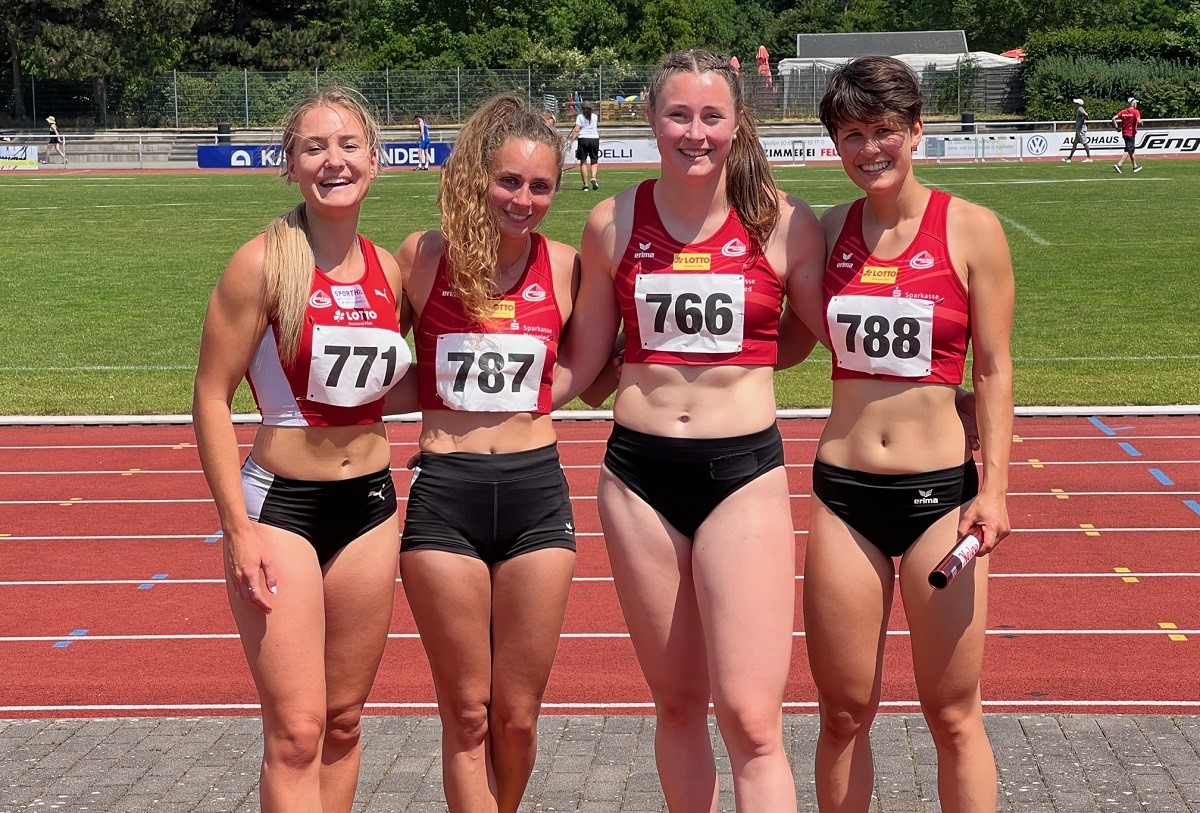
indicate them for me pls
(1014, 53)
(737, 66)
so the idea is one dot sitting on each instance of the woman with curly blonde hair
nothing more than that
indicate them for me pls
(307, 313)
(488, 549)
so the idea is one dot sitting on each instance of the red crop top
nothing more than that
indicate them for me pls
(901, 319)
(708, 303)
(351, 353)
(505, 366)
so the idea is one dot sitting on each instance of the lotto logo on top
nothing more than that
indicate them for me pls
(504, 309)
(878, 275)
(692, 262)
(349, 296)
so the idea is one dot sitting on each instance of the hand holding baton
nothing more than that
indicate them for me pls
(955, 561)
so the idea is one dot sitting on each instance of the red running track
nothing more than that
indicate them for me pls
(113, 603)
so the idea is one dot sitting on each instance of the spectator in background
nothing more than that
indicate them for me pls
(424, 148)
(56, 141)
(1127, 121)
(587, 130)
(1080, 139)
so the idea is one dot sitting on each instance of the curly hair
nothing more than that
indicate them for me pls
(469, 226)
(289, 259)
(749, 185)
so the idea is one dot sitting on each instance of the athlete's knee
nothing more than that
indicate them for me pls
(295, 741)
(752, 733)
(680, 708)
(954, 726)
(466, 722)
(514, 728)
(343, 729)
(844, 718)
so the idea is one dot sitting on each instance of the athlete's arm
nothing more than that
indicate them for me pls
(588, 339)
(991, 297)
(233, 326)
(410, 261)
(799, 234)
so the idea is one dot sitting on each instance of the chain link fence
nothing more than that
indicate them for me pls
(252, 99)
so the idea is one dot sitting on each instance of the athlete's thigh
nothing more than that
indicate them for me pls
(360, 592)
(529, 600)
(450, 596)
(285, 648)
(652, 571)
(947, 626)
(744, 563)
(848, 587)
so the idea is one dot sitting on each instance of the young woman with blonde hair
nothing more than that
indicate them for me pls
(488, 549)
(307, 313)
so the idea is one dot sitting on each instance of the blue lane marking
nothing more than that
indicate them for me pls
(214, 539)
(155, 577)
(1128, 447)
(74, 634)
(1162, 478)
(1192, 504)
(1099, 424)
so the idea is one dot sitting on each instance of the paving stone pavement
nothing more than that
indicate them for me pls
(1048, 763)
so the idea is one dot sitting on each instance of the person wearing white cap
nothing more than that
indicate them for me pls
(56, 140)
(1127, 122)
(1080, 139)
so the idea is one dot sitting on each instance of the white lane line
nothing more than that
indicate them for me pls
(119, 709)
(76, 640)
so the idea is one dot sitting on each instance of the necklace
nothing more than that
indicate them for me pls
(503, 281)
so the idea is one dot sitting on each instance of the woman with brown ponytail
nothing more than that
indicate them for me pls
(692, 495)
(488, 549)
(307, 312)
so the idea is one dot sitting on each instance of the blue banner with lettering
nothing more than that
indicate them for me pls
(257, 156)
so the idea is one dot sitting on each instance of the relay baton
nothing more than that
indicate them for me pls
(955, 561)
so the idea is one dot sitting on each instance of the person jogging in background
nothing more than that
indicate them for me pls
(1128, 121)
(1080, 139)
(424, 148)
(55, 143)
(587, 130)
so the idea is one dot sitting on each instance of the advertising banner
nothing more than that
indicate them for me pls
(780, 149)
(12, 157)
(258, 156)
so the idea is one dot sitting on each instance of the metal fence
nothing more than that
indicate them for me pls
(244, 99)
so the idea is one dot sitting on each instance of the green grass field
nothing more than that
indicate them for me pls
(106, 277)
